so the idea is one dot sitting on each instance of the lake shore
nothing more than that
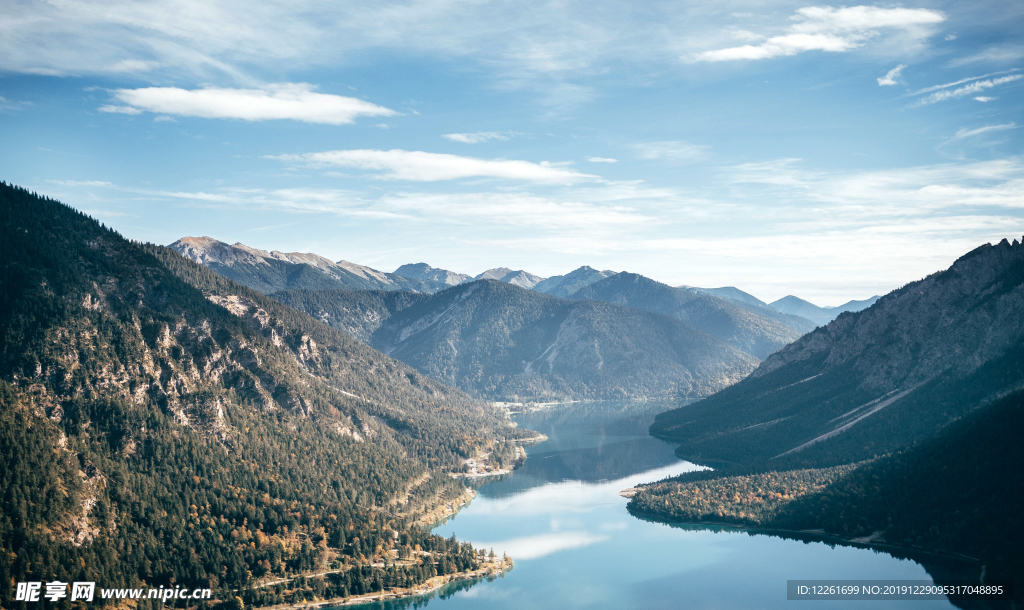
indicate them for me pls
(489, 569)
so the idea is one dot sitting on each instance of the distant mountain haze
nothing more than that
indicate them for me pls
(875, 380)
(423, 271)
(568, 284)
(499, 341)
(755, 305)
(819, 315)
(732, 294)
(272, 271)
(755, 334)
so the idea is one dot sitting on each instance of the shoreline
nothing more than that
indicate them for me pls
(497, 568)
(815, 534)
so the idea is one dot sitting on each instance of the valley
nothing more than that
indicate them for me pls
(302, 425)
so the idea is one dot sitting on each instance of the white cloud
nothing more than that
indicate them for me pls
(824, 28)
(983, 98)
(967, 133)
(119, 109)
(900, 192)
(602, 160)
(672, 151)
(419, 166)
(478, 137)
(294, 101)
(975, 87)
(892, 77)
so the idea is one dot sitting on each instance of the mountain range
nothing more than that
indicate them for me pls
(751, 332)
(163, 424)
(499, 341)
(272, 271)
(819, 315)
(877, 380)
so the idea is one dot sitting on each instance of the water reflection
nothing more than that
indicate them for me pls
(575, 546)
(588, 442)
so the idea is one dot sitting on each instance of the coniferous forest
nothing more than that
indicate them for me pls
(162, 425)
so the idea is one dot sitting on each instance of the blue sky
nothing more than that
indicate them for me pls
(828, 151)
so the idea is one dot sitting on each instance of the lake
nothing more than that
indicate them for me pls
(575, 546)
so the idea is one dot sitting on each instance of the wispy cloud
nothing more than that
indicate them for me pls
(549, 213)
(478, 137)
(976, 87)
(968, 133)
(993, 54)
(602, 160)
(961, 81)
(824, 28)
(294, 101)
(892, 77)
(419, 166)
(672, 151)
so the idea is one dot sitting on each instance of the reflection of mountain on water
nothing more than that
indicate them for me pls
(589, 464)
(588, 424)
(943, 569)
(587, 442)
(421, 601)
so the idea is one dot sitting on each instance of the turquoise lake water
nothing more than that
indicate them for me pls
(575, 546)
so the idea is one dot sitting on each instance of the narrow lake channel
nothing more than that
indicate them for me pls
(575, 546)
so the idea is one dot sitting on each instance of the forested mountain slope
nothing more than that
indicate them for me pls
(877, 380)
(755, 334)
(357, 312)
(272, 271)
(163, 424)
(959, 492)
(500, 341)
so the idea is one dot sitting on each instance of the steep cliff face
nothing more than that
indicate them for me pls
(876, 380)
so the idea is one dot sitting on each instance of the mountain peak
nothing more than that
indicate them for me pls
(270, 271)
(423, 271)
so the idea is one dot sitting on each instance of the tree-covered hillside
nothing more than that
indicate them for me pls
(162, 424)
(959, 492)
(500, 341)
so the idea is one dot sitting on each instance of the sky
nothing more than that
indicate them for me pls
(833, 152)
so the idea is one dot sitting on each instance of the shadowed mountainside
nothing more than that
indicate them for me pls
(754, 334)
(500, 341)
